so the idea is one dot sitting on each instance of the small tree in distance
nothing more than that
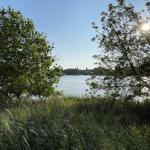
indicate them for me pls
(124, 50)
(27, 66)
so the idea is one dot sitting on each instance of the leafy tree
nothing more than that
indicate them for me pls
(27, 66)
(125, 49)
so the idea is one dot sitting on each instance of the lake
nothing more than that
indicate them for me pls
(73, 85)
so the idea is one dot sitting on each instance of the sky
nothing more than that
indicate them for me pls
(67, 24)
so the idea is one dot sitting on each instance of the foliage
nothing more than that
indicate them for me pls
(73, 123)
(95, 71)
(125, 49)
(76, 71)
(27, 66)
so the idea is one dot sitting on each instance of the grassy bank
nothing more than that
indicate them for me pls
(76, 124)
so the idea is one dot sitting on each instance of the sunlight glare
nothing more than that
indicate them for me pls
(145, 27)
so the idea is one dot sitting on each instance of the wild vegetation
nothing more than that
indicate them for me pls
(73, 123)
(28, 68)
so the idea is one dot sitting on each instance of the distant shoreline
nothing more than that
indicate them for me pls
(76, 71)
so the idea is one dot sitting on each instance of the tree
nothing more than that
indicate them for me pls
(125, 48)
(27, 66)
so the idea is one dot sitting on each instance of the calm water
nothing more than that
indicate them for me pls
(73, 85)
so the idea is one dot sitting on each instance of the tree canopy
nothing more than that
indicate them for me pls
(123, 46)
(27, 66)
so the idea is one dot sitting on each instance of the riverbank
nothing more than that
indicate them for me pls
(74, 123)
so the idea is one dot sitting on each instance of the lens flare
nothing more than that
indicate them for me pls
(145, 27)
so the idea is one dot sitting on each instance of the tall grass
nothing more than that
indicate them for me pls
(76, 124)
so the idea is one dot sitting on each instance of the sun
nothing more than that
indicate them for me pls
(145, 27)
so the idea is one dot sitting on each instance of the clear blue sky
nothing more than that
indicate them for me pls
(67, 23)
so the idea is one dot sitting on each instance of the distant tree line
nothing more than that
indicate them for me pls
(144, 69)
(95, 71)
(76, 71)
